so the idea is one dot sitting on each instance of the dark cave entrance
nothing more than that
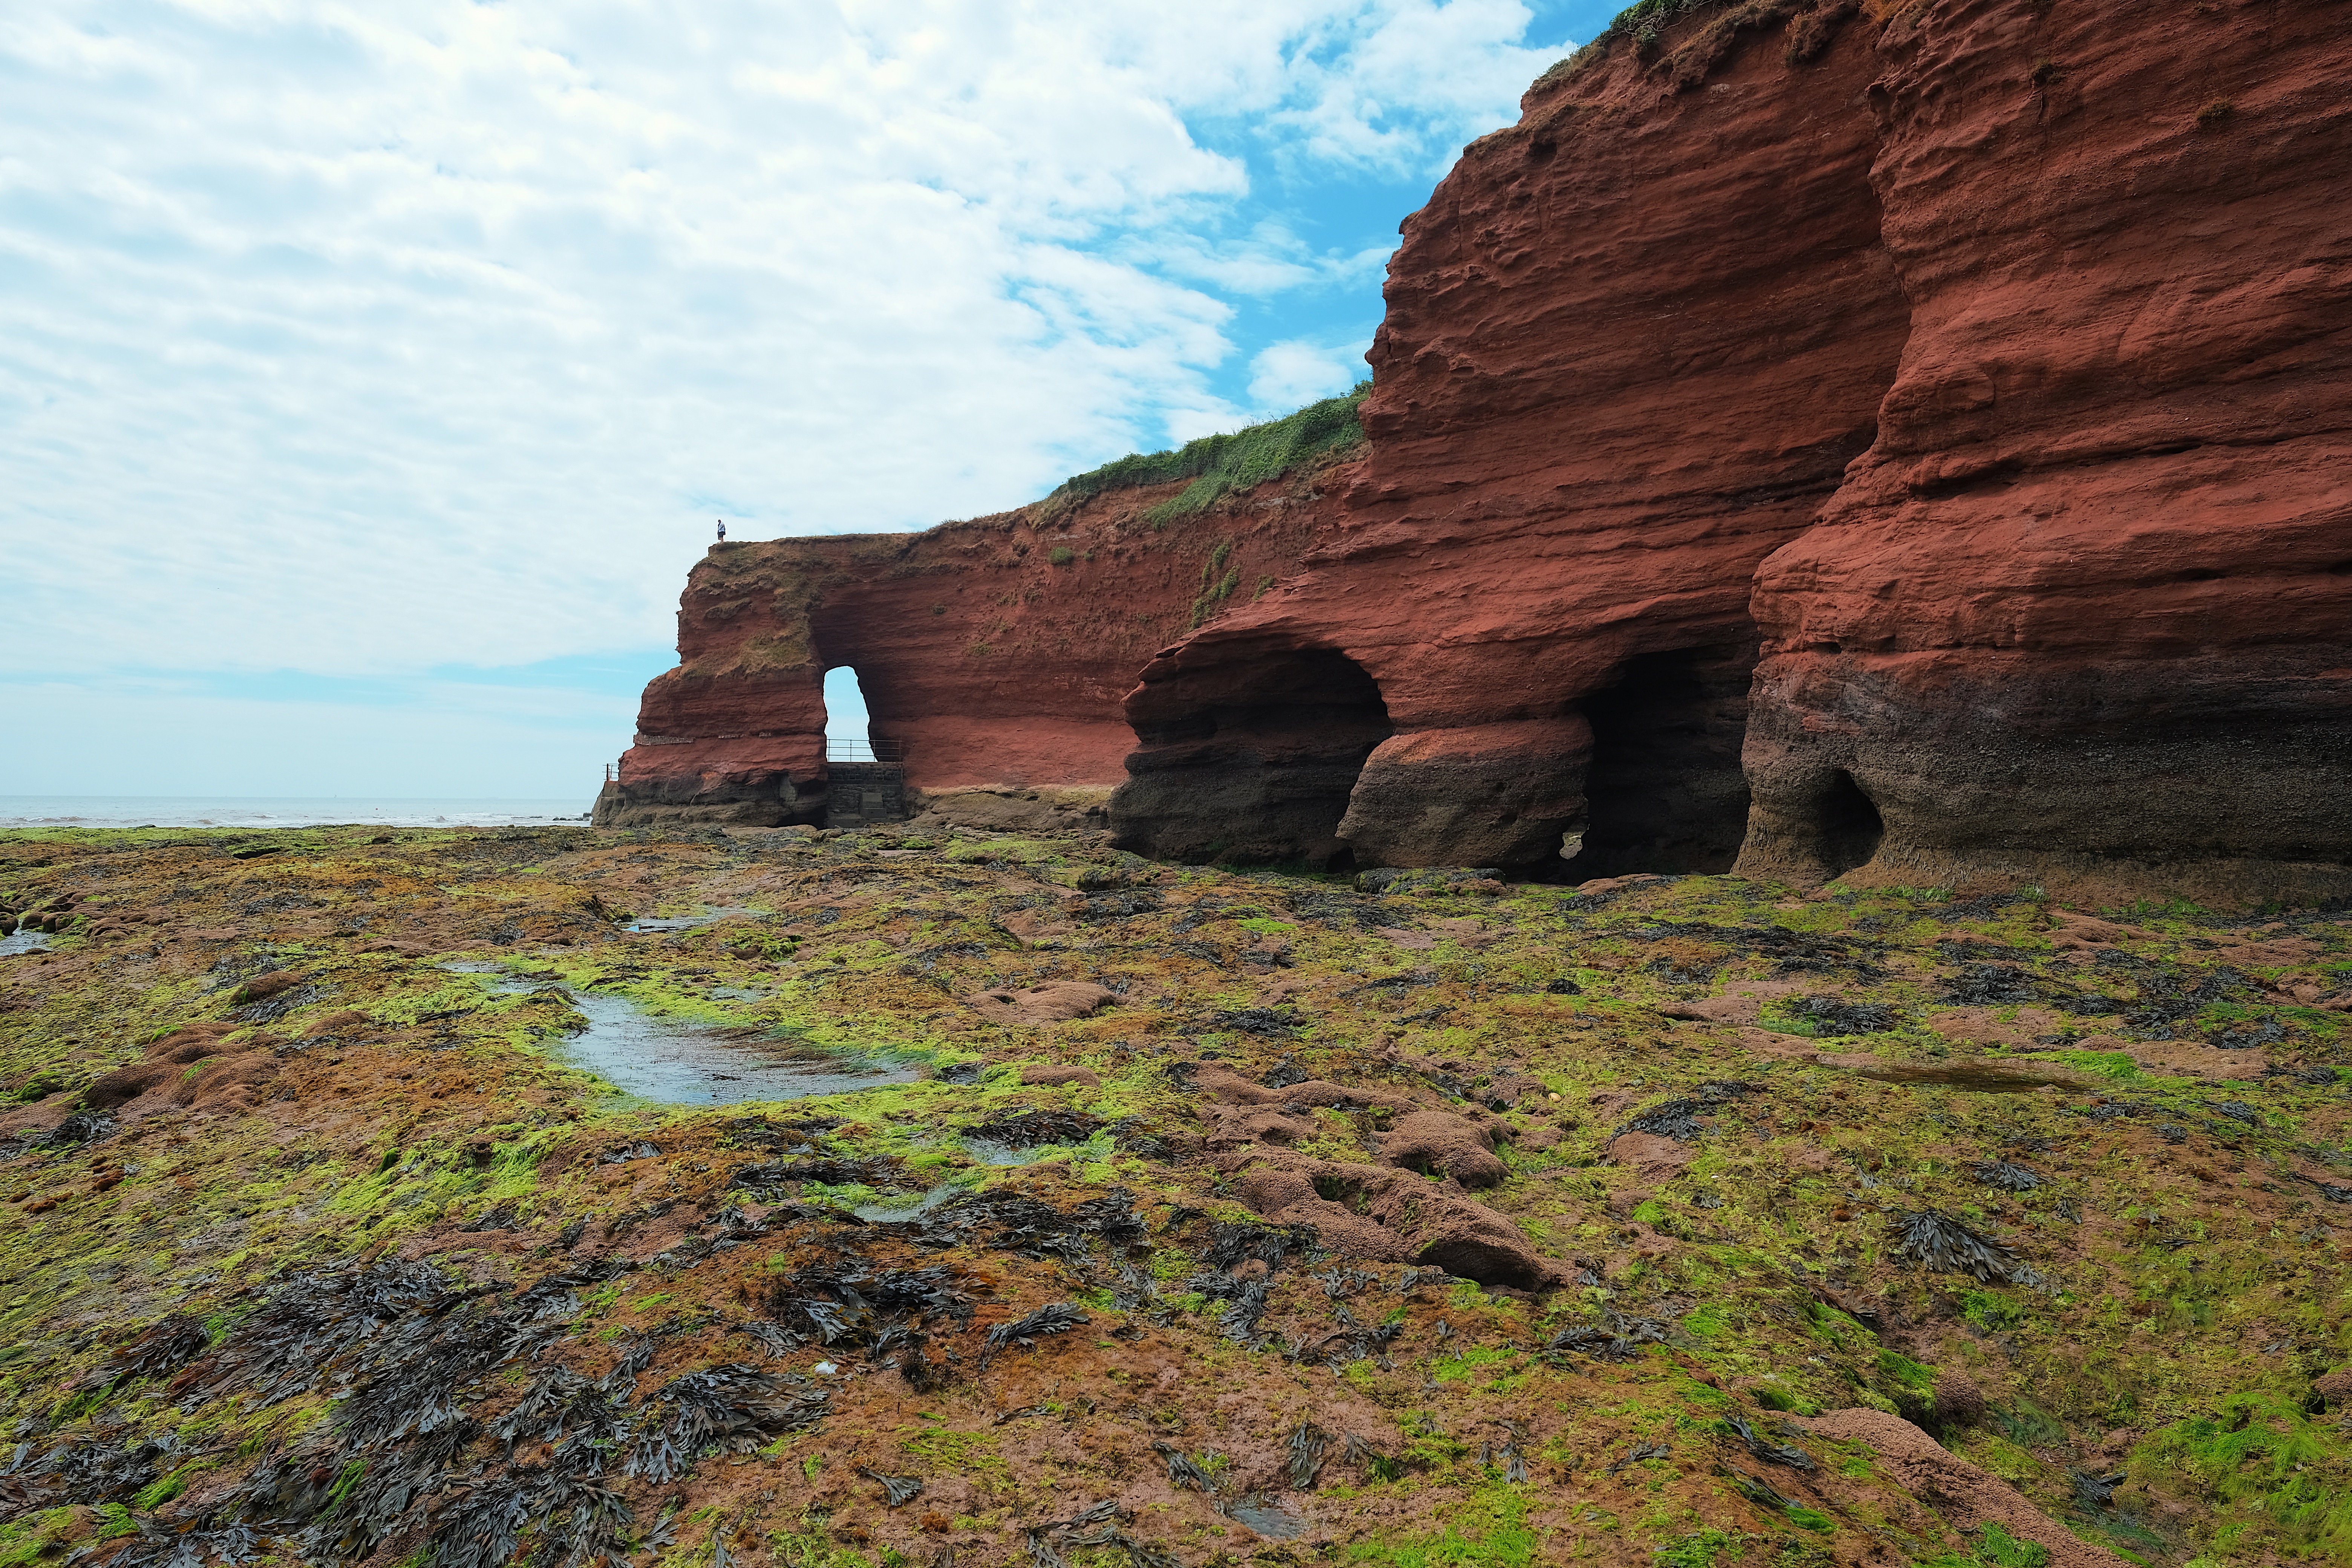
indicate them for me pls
(1851, 826)
(1665, 791)
(1257, 766)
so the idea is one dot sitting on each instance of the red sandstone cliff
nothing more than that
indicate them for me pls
(1979, 368)
(2084, 608)
(1629, 347)
(995, 652)
(1990, 368)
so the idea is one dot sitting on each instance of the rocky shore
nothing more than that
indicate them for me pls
(1192, 1215)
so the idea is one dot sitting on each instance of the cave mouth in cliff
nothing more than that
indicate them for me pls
(1850, 823)
(1664, 791)
(1308, 692)
(1259, 769)
(1303, 725)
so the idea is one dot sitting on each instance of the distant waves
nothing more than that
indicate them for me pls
(267, 811)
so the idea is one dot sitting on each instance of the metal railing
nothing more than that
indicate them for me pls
(865, 750)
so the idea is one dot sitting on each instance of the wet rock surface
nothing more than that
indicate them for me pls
(1400, 1249)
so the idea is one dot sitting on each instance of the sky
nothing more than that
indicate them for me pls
(370, 373)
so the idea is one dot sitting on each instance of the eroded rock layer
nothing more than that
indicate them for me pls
(1985, 368)
(2084, 611)
(1615, 375)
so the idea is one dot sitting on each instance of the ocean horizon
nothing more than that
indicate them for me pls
(286, 811)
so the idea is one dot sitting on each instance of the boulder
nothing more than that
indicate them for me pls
(1390, 1215)
(1053, 1001)
(1439, 1144)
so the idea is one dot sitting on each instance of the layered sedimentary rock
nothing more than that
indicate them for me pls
(1909, 445)
(1613, 377)
(2084, 611)
(993, 653)
(1986, 371)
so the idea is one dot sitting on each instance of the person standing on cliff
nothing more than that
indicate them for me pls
(722, 531)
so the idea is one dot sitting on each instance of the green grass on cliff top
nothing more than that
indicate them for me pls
(1218, 465)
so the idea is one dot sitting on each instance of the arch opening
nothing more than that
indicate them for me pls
(1256, 766)
(866, 782)
(1665, 790)
(846, 721)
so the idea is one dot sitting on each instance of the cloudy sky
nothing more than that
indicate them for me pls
(371, 373)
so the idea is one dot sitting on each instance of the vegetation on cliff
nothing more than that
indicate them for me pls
(1641, 27)
(1218, 466)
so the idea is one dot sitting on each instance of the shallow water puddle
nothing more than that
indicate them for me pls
(23, 941)
(685, 922)
(988, 1151)
(680, 1063)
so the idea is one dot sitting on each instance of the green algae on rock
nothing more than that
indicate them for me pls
(355, 1266)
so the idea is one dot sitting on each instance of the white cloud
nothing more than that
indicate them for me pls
(357, 337)
(1267, 260)
(1284, 377)
(1404, 83)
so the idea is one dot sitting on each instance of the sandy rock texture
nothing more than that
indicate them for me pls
(2083, 606)
(1614, 376)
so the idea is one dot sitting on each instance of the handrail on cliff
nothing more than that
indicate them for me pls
(844, 751)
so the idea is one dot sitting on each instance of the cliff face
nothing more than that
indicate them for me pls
(993, 652)
(2084, 611)
(1629, 347)
(1984, 372)
(1813, 442)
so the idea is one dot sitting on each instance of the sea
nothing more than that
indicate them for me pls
(281, 811)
